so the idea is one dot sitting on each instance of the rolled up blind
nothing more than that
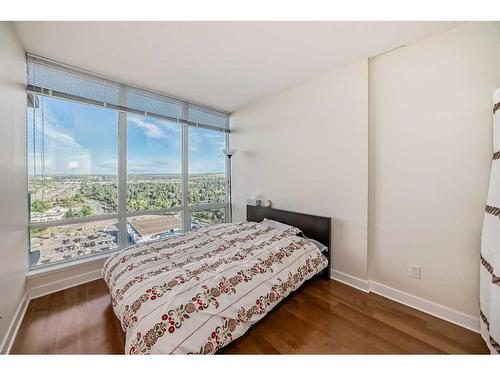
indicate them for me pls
(47, 77)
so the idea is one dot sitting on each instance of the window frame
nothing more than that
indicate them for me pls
(123, 214)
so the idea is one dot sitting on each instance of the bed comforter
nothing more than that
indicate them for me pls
(196, 292)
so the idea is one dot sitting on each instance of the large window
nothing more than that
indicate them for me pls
(72, 175)
(154, 161)
(154, 179)
(72, 160)
(206, 166)
(106, 175)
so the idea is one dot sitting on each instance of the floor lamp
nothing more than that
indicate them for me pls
(229, 152)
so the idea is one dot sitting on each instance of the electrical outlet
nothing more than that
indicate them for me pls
(415, 271)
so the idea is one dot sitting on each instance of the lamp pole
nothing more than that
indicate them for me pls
(230, 192)
(229, 152)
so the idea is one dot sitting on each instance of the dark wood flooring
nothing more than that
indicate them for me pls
(323, 317)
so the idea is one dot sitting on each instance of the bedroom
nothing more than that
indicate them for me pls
(264, 187)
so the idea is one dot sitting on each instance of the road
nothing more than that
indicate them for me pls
(67, 190)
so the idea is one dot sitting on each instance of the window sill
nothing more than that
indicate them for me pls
(54, 268)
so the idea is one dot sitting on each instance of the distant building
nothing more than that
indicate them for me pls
(149, 227)
(55, 213)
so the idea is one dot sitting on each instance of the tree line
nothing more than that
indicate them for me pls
(141, 195)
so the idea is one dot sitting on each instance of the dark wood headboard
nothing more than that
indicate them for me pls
(315, 227)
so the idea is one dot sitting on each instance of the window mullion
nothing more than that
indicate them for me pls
(186, 216)
(227, 171)
(122, 174)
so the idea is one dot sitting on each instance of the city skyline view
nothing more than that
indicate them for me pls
(73, 170)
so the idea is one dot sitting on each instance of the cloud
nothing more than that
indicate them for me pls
(63, 154)
(61, 140)
(203, 140)
(150, 130)
(205, 135)
(57, 137)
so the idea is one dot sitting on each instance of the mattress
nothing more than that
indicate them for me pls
(196, 292)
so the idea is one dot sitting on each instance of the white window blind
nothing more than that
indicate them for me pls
(47, 77)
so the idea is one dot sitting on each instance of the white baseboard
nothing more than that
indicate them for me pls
(353, 281)
(432, 308)
(456, 317)
(14, 325)
(44, 289)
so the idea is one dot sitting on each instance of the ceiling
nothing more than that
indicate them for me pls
(222, 64)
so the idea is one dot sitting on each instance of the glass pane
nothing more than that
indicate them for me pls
(153, 164)
(72, 159)
(208, 217)
(206, 183)
(74, 240)
(152, 227)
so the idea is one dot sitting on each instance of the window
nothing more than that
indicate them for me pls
(207, 178)
(72, 177)
(72, 160)
(154, 163)
(110, 165)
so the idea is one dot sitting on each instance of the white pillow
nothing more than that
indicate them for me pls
(320, 246)
(277, 225)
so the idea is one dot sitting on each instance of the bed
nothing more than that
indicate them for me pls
(197, 292)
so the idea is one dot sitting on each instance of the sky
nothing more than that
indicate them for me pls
(83, 139)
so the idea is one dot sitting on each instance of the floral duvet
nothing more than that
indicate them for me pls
(196, 292)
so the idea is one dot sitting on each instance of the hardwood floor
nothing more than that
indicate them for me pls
(323, 317)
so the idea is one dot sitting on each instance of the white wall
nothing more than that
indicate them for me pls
(430, 147)
(430, 154)
(13, 189)
(306, 149)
